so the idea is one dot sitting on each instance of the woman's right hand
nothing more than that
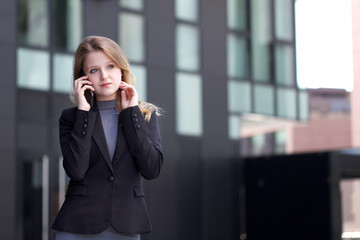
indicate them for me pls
(82, 84)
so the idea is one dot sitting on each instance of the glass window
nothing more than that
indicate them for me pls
(280, 142)
(33, 69)
(32, 198)
(131, 36)
(68, 24)
(303, 105)
(236, 14)
(186, 10)
(264, 99)
(258, 143)
(188, 104)
(62, 73)
(33, 22)
(350, 211)
(236, 56)
(139, 72)
(260, 40)
(187, 47)
(239, 96)
(132, 4)
(284, 65)
(284, 19)
(286, 103)
(234, 127)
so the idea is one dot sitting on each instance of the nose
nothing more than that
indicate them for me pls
(104, 75)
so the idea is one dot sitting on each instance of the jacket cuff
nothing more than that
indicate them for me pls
(84, 122)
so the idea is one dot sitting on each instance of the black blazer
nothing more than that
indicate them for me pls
(102, 191)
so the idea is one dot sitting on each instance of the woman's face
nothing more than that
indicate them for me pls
(103, 74)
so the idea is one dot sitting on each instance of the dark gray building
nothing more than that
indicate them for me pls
(205, 62)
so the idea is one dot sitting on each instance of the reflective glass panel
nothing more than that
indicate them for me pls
(139, 72)
(284, 65)
(131, 36)
(239, 96)
(32, 198)
(284, 19)
(258, 143)
(236, 14)
(67, 24)
(62, 73)
(132, 4)
(286, 103)
(188, 104)
(186, 10)
(260, 40)
(33, 69)
(280, 142)
(33, 22)
(234, 127)
(236, 56)
(350, 210)
(303, 105)
(264, 99)
(187, 47)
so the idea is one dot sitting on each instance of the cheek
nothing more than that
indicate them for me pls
(92, 78)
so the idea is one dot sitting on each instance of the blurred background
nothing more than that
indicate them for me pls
(261, 131)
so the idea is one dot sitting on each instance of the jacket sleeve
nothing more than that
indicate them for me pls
(144, 141)
(75, 130)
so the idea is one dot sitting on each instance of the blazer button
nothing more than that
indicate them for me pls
(83, 133)
(85, 120)
(111, 178)
(85, 125)
(135, 114)
(138, 126)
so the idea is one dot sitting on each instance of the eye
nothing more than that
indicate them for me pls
(111, 66)
(93, 70)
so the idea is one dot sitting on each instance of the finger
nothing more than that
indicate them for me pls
(85, 87)
(123, 96)
(130, 89)
(78, 81)
(80, 84)
(82, 79)
(125, 85)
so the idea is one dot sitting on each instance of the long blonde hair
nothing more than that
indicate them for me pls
(114, 52)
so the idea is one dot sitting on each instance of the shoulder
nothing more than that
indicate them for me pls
(69, 112)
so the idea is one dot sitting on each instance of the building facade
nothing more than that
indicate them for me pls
(206, 63)
(328, 127)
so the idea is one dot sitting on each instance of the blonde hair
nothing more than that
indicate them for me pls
(114, 52)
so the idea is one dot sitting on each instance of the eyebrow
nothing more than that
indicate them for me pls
(95, 66)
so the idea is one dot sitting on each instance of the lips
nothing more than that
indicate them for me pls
(105, 84)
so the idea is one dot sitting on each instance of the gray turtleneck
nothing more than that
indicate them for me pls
(109, 119)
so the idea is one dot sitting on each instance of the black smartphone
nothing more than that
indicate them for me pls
(88, 93)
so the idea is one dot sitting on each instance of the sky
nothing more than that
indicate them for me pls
(324, 44)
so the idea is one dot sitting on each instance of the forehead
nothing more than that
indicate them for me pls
(96, 58)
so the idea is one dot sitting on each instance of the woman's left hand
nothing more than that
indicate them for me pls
(129, 95)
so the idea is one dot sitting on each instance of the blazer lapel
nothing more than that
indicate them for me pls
(121, 144)
(100, 140)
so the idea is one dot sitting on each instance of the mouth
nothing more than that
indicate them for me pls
(104, 85)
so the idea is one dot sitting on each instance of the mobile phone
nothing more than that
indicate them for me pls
(89, 95)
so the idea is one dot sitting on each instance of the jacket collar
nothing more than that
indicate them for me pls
(100, 140)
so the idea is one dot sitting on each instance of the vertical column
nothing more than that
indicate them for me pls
(355, 94)
(164, 196)
(217, 149)
(100, 18)
(8, 119)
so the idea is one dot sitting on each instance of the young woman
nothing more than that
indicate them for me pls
(109, 142)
